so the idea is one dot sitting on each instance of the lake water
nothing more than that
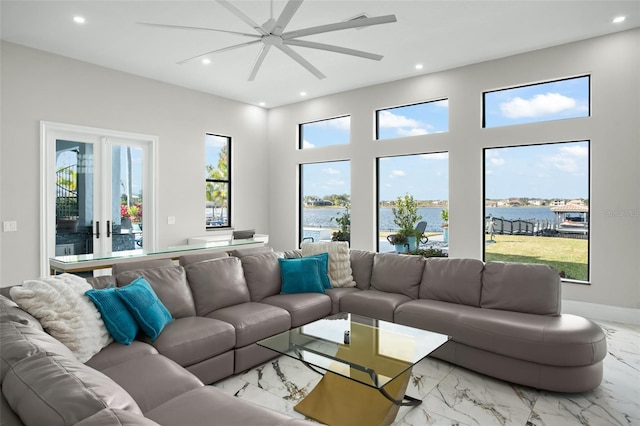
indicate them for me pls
(321, 217)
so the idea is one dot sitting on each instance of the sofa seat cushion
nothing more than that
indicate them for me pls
(152, 380)
(335, 294)
(115, 353)
(303, 307)
(254, 321)
(564, 340)
(208, 405)
(111, 417)
(452, 280)
(217, 284)
(55, 390)
(394, 273)
(188, 341)
(373, 303)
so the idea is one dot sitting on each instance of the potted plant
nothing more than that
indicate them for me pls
(405, 216)
(344, 221)
(444, 214)
(400, 241)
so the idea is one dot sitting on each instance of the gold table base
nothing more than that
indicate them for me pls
(339, 401)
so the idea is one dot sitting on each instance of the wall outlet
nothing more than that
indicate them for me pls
(171, 220)
(9, 226)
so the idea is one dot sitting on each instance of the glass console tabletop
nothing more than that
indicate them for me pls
(365, 350)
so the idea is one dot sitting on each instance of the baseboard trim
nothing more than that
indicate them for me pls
(601, 312)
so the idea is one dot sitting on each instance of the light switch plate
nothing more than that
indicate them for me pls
(171, 220)
(9, 226)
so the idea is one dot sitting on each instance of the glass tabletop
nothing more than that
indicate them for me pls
(372, 352)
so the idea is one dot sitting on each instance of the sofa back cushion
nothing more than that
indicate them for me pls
(140, 264)
(262, 273)
(361, 267)
(452, 280)
(10, 310)
(55, 390)
(169, 284)
(396, 273)
(521, 287)
(217, 283)
(188, 259)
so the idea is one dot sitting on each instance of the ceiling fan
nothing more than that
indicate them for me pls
(272, 34)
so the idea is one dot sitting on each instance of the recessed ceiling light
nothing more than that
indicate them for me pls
(262, 104)
(418, 66)
(78, 19)
(206, 61)
(619, 19)
(303, 93)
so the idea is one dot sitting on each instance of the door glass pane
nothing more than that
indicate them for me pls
(126, 198)
(74, 197)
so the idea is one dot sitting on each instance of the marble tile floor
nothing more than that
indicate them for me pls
(455, 396)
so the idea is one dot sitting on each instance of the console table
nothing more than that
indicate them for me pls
(91, 262)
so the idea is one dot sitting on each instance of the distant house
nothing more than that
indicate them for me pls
(558, 203)
(315, 202)
(515, 202)
(536, 202)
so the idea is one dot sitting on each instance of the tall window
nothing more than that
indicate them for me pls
(332, 131)
(537, 206)
(217, 181)
(325, 194)
(426, 178)
(413, 120)
(555, 100)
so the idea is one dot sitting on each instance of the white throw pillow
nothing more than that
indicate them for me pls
(340, 273)
(59, 303)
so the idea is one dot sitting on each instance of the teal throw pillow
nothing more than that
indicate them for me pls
(324, 268)
(301, 275)
(143, 303)
(117, 318)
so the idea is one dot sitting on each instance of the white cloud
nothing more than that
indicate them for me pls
(412, 132)
(387, 120)
(397, 173)
(497, 161)
(331, 171)
(335, 182)
(539, 105)
(436, 156)
(569, 159)
(306, 144)
(575, 151)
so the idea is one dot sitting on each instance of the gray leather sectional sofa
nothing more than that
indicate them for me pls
(504, 320)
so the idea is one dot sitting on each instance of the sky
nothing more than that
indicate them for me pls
(546, 171)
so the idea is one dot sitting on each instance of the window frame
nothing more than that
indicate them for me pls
(575, 77)
(227, 181)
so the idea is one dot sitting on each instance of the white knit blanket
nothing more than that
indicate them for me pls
(59, 303)
(340, 273)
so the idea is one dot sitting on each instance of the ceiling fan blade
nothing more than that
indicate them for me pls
(357, 23)
(331, 48)
(231, 8)
(285, 17)
(256, 66)
(299, 59)
(182, 27)
(224, 49)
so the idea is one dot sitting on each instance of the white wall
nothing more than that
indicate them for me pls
(613, 129)
(41, 86)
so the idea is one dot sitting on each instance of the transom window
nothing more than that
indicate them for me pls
(412, 120)
(554, 100)
(332, 131)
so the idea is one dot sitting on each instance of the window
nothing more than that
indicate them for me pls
(412, 120)
(325, 191)
(217, 181)
(537, 206)
(555, 100)
(426, 178)
(332, 131)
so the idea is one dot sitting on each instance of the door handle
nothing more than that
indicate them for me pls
(108, 228)
(97, 229)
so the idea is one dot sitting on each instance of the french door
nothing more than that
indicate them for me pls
(97, 192)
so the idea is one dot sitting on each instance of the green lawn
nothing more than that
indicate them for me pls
(567, 255)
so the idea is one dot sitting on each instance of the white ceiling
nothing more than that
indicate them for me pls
(438, 34)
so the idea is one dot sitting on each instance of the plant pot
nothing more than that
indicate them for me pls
(445, 234)
(402, 248)
(413, 243)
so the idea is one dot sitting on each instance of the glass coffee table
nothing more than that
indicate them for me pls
(366, 365)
